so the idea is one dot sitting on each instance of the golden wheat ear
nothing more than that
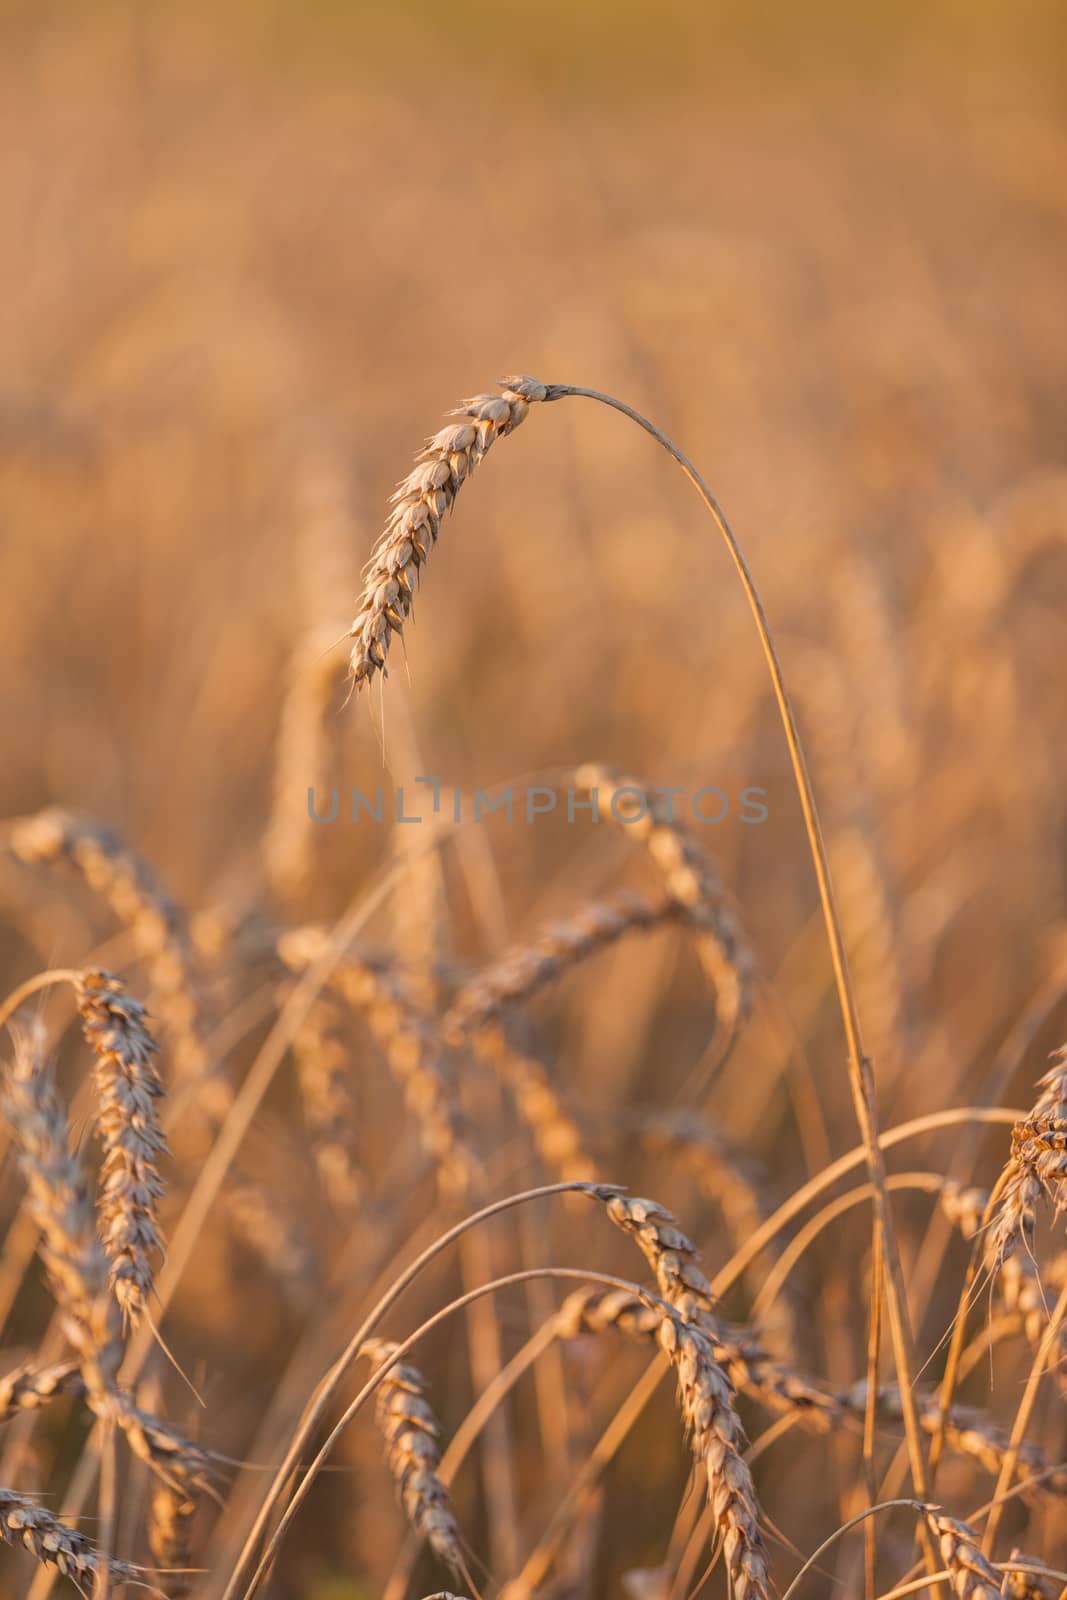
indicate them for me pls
(421, 499)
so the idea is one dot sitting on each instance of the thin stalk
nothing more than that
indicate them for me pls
(859, 1067)
(845, 1527)
(527, 1275)
(40, 980)
(760, 1237)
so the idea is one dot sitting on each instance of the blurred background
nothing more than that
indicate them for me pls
(252, 253)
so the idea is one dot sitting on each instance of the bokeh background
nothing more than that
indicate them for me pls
(253, 253)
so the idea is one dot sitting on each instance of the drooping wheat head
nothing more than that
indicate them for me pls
(52, 1543)
(128, 1087)
(1034, 1170)
(410, 1430)
(419, 503)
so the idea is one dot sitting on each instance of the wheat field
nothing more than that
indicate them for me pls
(535, 990)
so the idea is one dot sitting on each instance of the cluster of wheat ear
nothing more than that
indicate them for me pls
(229, 1207)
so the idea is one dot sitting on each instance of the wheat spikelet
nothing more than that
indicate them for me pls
(170, 1516)
(128, 1086)
(412, 1046)
(519, 974)
(1032, 1168)
(973, 1577)
(410, 1431)
(671, 1255)
(599, 1311)
(419, 503)
(27, 1388)
(691, 880)
(26, 1526)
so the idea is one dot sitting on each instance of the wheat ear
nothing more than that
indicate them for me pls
(519, 974)
(419, 503)
(731, 1180)
(706, 1394)
(410, 1430)
(1031, 1169)
(78, 1268)
(52, 1543)
(169, 1525)
(324, 1071)
(128, 1087)
(412, 1046)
